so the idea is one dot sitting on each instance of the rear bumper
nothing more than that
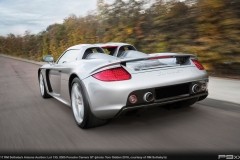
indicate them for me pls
(108, 99)
(126, 109)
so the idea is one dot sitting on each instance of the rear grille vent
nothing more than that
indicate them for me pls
(172, 91)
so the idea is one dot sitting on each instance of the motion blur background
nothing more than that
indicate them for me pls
(209, 29)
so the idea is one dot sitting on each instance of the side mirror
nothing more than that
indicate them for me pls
(48, 59)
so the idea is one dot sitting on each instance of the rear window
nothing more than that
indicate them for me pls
(101, 56)
(109, 51)
(132, 54)
(128, 48)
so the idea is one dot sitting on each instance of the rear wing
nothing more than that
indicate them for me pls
(165, 56)
(149, 62)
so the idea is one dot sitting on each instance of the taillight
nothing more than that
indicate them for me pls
(115, 74)
(198, 64)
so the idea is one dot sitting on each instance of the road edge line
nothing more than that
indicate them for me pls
(24, 60)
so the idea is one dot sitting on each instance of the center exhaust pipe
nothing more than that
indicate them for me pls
(195, 88)
(148, 97)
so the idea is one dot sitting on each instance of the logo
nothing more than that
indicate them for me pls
(165, 72)
(228, 156)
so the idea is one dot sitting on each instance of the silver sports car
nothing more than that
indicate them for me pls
(99, 86)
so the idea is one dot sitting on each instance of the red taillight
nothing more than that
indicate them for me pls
(132, 99)
(198, 64)
(115, 74)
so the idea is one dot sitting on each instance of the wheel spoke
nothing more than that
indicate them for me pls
(77, 103)
(41, 84)
(81, 111)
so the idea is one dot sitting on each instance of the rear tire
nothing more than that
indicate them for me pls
(42, 87)
(80, 107)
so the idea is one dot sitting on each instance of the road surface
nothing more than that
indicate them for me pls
(31, 124)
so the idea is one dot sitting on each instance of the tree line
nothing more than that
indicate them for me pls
(210, 29)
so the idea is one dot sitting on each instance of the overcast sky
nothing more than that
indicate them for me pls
(17, 16)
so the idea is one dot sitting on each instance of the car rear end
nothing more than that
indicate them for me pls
(135, 84)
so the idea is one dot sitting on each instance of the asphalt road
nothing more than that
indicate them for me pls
(31, 124)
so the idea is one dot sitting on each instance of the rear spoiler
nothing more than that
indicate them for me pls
(156, 56)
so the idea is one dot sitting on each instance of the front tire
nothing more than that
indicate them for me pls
(80, 107)
(42, 87)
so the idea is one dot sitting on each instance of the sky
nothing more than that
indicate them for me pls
(18, 16)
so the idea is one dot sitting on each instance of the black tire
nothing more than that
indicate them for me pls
(88, 120)
(43, 92)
